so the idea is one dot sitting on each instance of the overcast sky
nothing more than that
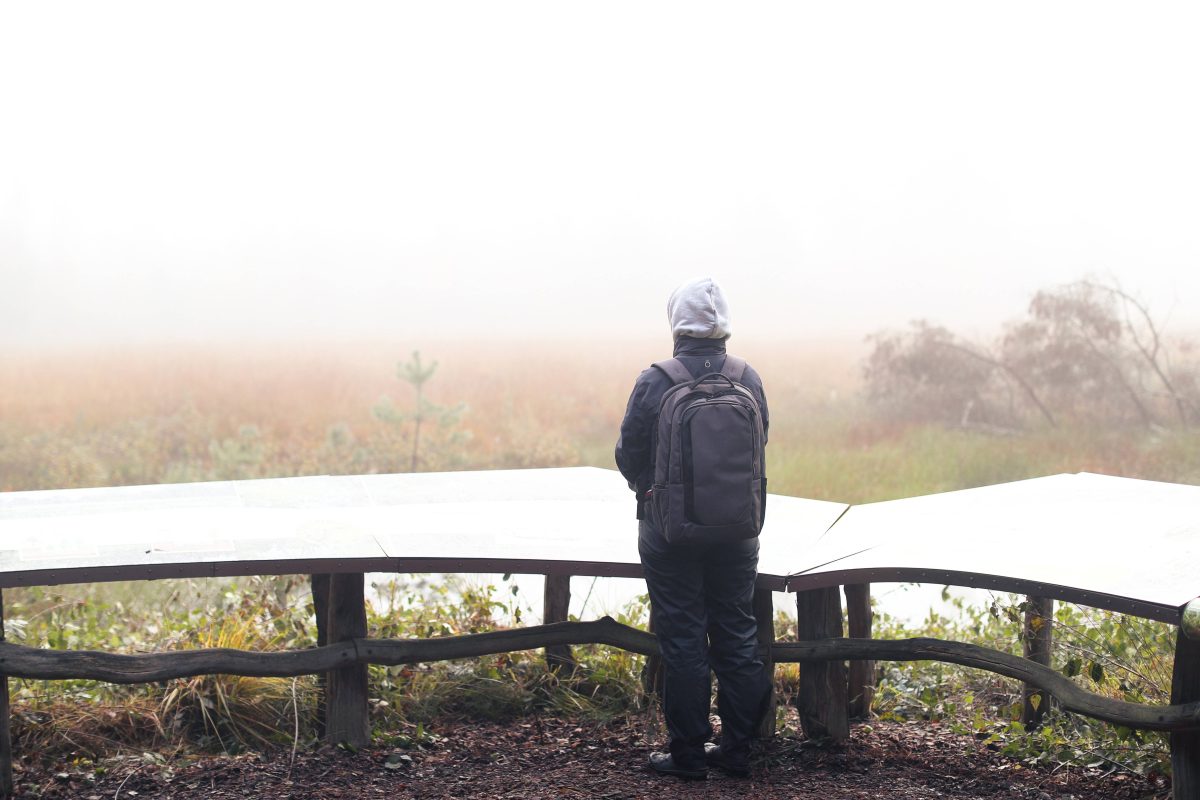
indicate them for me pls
(218, 171)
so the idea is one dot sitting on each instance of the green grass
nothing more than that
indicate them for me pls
(861, 464)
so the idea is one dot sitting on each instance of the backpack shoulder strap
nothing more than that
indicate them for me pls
(734, 368)
(675, 370)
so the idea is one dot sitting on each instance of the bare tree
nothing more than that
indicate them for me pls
(1010, 373)
(1073, 345)
(928, 374)
(1147, 339)
(1087, 351)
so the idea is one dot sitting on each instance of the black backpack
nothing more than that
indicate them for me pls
(710, 484)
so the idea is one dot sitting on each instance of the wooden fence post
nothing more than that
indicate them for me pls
(320, 596)
(1037, 640)
(764, 613)
(862, 673)
(652, 670)
(822, 700)
(1185, 746)
(6, 753)
(556, 601)
(346, 716)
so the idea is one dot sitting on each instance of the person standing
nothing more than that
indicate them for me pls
(701, 587)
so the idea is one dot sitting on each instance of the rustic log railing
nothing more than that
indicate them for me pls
(824, 701)
(20, 661)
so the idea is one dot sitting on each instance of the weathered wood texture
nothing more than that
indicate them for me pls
(556, 600)
(1185, 746)
(6, 753)
(1037, 640)
(861, 675)
(320, 596)
(1069, 695)
(822, 699)
(764, 613)
(346, 713)
(27, 662)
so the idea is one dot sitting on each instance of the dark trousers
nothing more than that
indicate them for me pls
(702, 607)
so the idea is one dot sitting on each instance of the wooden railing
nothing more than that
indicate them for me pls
(26, 662)
(825, 699)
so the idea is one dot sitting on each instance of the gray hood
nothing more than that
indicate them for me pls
(698, 309)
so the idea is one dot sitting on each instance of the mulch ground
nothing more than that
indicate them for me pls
(540, 758)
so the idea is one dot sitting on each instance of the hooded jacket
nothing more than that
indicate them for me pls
(635, 447)
(698, 309)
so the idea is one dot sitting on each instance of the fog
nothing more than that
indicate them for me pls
(288, 171)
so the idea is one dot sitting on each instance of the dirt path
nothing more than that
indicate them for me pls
(552, 758)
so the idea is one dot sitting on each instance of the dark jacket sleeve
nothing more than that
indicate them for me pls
(637, 431)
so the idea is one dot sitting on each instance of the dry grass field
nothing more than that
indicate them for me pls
(111, 417)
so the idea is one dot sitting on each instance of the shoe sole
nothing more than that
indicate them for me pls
(682, 774)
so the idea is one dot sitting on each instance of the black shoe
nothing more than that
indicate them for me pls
(664, 764)
(716, 757)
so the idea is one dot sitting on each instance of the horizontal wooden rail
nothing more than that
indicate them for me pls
(1069, 695)
(18, 661)
(27, 662)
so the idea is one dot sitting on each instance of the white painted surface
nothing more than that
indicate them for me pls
(1096, 534)
(524, 520)
(1099, 534)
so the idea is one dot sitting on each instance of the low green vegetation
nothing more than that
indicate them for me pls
(1115, 655)
(1118, 656)
(230, 714)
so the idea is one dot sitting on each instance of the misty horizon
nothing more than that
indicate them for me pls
(540, 172)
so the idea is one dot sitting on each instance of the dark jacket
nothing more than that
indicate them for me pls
(635, 447)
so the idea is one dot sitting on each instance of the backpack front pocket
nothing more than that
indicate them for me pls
(718, 463)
